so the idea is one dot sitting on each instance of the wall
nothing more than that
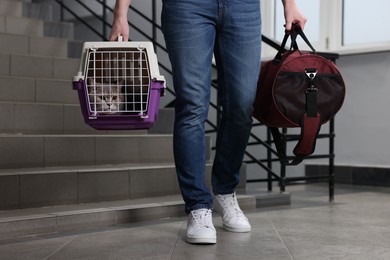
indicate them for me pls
(363, 123)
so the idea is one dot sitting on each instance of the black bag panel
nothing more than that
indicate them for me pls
(290, 94)
(330, 97)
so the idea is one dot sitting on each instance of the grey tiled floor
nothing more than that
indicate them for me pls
(355, 226)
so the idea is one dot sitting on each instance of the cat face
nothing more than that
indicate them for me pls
(108, 98)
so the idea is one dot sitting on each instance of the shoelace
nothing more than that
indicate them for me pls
(202, 218)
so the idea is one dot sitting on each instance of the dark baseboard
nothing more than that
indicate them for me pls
(358, 175)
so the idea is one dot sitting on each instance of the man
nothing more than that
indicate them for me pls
(194, 31)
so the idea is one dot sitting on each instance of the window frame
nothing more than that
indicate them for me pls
(331, 30)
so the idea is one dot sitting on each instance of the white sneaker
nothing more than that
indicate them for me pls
(200, 227)
(233, 219)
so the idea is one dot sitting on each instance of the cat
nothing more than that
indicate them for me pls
(108, 98)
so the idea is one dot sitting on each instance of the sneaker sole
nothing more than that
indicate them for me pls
(237, 229)
(209, 240)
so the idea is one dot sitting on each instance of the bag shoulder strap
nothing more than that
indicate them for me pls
(309, 131)
(281, 148)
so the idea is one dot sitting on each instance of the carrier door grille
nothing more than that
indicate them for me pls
(118, 81)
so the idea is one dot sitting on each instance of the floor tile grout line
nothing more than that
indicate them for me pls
(58, 249)
(178, 237)
(281, 239)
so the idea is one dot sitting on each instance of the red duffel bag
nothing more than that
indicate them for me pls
(298, 89)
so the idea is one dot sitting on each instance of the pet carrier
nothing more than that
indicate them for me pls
(119, 85)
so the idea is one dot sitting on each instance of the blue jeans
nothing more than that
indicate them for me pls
(193, 31)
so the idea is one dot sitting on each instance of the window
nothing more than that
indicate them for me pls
(344, 26)
(363, 24)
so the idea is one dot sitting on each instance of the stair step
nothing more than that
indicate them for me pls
(50, 118)
(38, 66)
(165, 121)
(23, 25)
(48, 46)
(50, 186)
(41, 187)
(13, 22)
(11, 8)
(13, 43)
(58, 29)
(42, 118)
(51, 220)
(39, 46)
(22, 89)
(75, 48)
(27, 151)
(42, 10)
(30, 45)
(72, 218)
(47, 106)
(17, 89)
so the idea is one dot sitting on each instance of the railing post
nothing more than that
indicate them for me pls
(331, 160)
(104, 31)
(269, 160)
(154, 18)
(62, 11)
(283, 167)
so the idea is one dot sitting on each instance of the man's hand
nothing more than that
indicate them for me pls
(120, 25)
(292, 14)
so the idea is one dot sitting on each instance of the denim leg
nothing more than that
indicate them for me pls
(238, 54)
(189, 32)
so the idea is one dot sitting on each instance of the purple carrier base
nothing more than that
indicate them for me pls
(121, 122)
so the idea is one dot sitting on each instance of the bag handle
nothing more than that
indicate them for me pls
(293, 33)
(298, 30)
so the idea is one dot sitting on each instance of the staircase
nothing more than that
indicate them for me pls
(56, 173)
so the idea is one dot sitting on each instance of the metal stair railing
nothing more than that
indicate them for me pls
(265, 164)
